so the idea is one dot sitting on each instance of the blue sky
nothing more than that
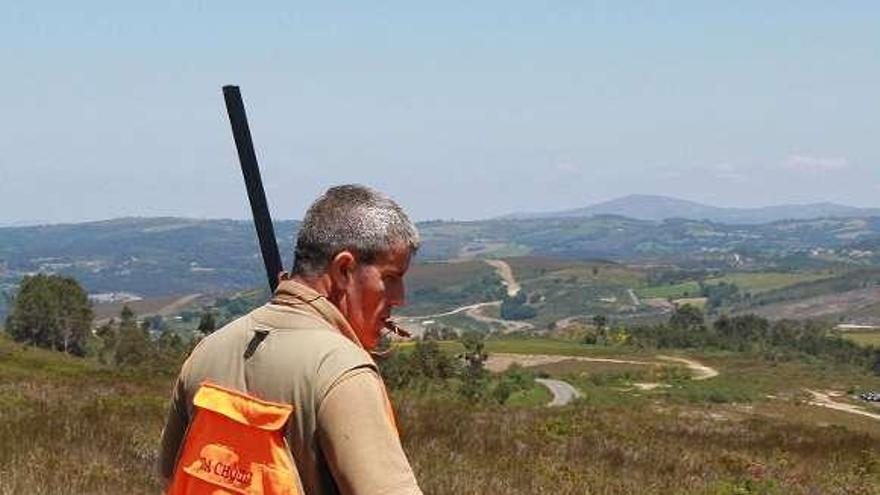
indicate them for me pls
(458, 110)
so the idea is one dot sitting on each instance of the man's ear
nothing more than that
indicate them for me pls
(341, 269)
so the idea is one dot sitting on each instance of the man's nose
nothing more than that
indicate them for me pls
(397, 295)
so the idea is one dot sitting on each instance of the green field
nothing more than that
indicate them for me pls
(752, 282)
(555, 347)
(758, 282)
(673, 291)
(561, 288)
(540, 346)
(864, 338)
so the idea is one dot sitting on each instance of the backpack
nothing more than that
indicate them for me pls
(235, 445)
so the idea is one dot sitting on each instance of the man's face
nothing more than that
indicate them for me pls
(375, 289)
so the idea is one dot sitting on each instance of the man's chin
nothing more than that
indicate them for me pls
(370, 340)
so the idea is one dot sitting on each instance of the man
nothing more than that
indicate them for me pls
(309, 348)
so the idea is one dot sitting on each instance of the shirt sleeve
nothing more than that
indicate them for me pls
(359, 439)
(173, 433)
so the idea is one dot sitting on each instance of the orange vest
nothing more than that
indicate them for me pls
(235, 445)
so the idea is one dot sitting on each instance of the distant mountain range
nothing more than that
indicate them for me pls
(147, 256)
(169, 256)
(657, 208)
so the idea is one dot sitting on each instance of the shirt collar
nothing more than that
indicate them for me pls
(292, 293)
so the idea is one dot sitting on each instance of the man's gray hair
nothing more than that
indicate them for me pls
(351, 217)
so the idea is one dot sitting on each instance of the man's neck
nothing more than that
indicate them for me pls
(320, 283)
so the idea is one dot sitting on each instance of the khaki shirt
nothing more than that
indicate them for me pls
(341, 435)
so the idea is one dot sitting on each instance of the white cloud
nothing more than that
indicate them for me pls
(567, 168)
(805, 163)
(671, 174)
(728, 172)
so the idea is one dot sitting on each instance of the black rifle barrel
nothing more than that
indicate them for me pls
(257, 196)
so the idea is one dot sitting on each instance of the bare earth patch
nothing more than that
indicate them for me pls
(650, 386)
(499, 362)
(825, 399)
(700, 371)
(506, 273)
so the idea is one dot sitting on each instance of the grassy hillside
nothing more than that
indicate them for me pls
(174, 256)
(442, 286)
(866, 338)
(70, 426)
(761, 282)
(850, 280)
(147, 256)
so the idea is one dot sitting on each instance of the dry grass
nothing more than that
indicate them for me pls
(67, 426)
(70, 426)
(575, 367)
(623, 450)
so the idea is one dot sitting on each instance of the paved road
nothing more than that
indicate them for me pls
(563, 392)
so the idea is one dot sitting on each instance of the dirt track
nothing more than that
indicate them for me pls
(506, 273)
(824, 400)
(473, 311)
(163, 306)
(700, 371)
(178, 304)
(461, 309)
(499, 362)
(508, 325)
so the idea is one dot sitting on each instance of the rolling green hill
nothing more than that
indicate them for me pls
(172, 256)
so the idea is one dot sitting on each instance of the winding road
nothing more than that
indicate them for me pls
(474, 311)
(500, 361)
(563, 392)
(461, 309)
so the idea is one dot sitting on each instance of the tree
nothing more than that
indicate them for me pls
(688, 317)
(133, 345)
(515, 308)
(718, 294)
(473, 383)
(155, 322)
(430, 361)
(108, 335)
(53, 312)
(169, 347)
(207, 325)
(875, 366)
(601, 335)
(448, 333)
(743, 332)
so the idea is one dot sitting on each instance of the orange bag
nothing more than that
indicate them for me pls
(235, 445)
